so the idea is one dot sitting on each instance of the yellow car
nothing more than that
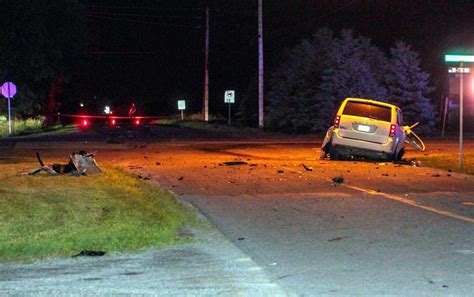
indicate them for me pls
(368, 129)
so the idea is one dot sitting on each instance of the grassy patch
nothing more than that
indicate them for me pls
(450, 162)
(46, 215)
(32, 126)
(219, 126)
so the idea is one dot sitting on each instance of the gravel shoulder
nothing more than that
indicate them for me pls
(210, 266)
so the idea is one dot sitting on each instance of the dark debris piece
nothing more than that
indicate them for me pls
(87, 253)
(307, 168)
(337, 239)
(233, 163)
(337, 180)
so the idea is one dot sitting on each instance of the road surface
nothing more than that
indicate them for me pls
(387, 229)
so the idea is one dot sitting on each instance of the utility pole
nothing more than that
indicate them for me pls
(461, 113)
(205, 105)
(260, 65)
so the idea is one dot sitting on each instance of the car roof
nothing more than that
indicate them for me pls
(371, 101)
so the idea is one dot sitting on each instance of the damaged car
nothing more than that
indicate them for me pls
(370, 129)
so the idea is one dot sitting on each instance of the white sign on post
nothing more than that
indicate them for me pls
(181, 104)
(229, 96)
(182, 107)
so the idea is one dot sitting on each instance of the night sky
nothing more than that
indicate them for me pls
(151, 52)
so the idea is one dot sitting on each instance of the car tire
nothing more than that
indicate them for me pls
(397, 157)
(333, 153)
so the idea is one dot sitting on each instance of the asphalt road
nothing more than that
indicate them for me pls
(388, 229)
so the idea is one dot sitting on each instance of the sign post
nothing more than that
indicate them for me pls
(182, 107)
(9, 90)
(461, 70)
(229, 97)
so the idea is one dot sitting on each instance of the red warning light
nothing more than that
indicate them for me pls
(113, 122)
(85, 123)
(137, 122)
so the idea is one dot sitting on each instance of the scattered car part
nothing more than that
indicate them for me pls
(337, 180)
(79, 163)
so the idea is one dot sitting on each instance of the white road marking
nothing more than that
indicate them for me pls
(411, 202)
(401, 200)
(465, 252)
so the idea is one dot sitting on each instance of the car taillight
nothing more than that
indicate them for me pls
(137, 122)
(85, 123)
(393, 130)
(113, 122)
(337, 121)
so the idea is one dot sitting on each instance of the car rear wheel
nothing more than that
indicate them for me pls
(397, 157)
(333, 153)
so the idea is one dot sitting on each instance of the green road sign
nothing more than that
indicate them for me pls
(459, 58)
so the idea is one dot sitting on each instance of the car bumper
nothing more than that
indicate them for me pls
(362, 147)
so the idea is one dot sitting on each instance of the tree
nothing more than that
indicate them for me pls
(41, 43)
(408, 87)
(305, 92)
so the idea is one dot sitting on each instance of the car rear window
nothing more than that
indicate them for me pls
(368, 110)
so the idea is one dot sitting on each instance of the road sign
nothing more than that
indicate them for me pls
(459, 70)
(229, 96)
(8, 89)
(182, 107)
(181, 104)
(459, 58)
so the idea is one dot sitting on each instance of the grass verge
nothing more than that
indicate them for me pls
(450, 162)
(32, 126)
(43, 215)
(218, 126)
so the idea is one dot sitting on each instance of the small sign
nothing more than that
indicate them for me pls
(8, 89)
(181, 104)
(459, 70)
(229, 96)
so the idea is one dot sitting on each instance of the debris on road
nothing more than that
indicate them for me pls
(79, 164)
(181, 178)
(435, 175)
(90, 254)
(157, 163)
(307, 168)
(337, 180)
(385, 174)
(280, 171)
(233, 163)
(337, 239)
